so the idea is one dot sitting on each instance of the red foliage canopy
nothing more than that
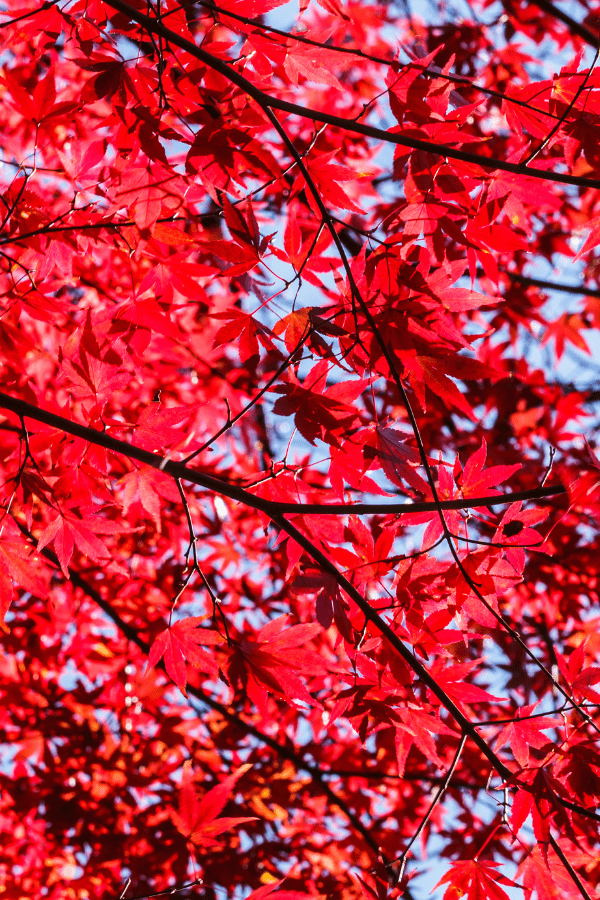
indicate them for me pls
(299, 547)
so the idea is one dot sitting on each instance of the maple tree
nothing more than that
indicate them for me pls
(299, 546)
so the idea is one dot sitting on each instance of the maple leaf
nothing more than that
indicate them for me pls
(452, 677)
(581, 768)
(328, 176)
(140, 190)
(380, 889)
(515, 529)
(538, 795)
(417, 727)
(475, 880)
(91, 366)
(197, 819)
(83, 161)
(146, 313)
(433, 373)
(171, 235)
(271, 662)
(155, 430)
(592, 239)
(16, 560)
(577, 675)
(294, 325)
(272, 886)
(67, 531)
(181, 643)
(583, 486)
(94, 375)
(148, 485)
(249, 246)
(399, 460)
(330, 605)
(462, 299)
(247, 329)
(477, 480)
(544, 873)
(319, 412)
(536, 875)
(525, 732)
(110, 78)
(567, 328)
(312, 63)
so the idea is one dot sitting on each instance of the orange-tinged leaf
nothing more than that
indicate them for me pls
(294, 325)
(168, 234)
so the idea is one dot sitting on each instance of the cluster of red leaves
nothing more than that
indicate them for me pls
(231, 298)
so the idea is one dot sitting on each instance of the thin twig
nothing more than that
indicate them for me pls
(398, 872)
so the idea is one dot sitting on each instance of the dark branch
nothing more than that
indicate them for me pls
(265, 101)
(551, 285)
(180, 470)
(357, 52)
(574, 26)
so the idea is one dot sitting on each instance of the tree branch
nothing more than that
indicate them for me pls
(211, 483)
(574, 26)
(355, 51)
(551, 285)
(265, 101)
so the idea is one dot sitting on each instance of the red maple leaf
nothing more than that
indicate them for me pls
(273, 660)
(543, 872)
(477, 481)
(577, 675)
(330, 605)
(525, 732)
(67, 531)
(538, 795)
(181, 643)
(399, 460)
(319, 411)
(475, 880)
(197, 819)
(20, 563)
(154, 429)
(149, 486)
(582, 483)
(267, 889)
